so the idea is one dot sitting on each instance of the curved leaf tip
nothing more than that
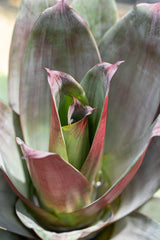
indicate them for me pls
(77, 111)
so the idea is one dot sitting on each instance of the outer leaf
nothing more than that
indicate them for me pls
(60, 186)
(27, 219)
(62, 48)
(100, 76)
(99, 14)
(49, 221)
(28, 14)
(132, 159)
(135, 93)
(137, 227)
(151, 209)
(9, 156)
(142, 187)
(10, 236)
(8, 219)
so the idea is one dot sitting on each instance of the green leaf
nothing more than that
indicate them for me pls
(10, 160)
(96, 84)
(135, 92)
(28, 14)
(99, 14)
(28, 220)
(151, 209)
(61, 84)
(60, 40)
(76, 135)
(8, 218)
(144, 184)
(137, 227)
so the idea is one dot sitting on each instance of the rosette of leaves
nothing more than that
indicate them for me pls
(87, 150)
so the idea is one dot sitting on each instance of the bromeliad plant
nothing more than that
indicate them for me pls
(87, 158)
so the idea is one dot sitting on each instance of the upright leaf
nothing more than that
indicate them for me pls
(77, 135)
(28, 14)
(60, 40)
(97, 83)
(99, 14)
(135, 93)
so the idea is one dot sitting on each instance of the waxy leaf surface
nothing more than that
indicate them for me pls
(96, 84)
(142, 187)
(10, 160)
(60, 40)
(76, 135)
(132, 156)
(135, 94)
(137, 227)
(28, 220)
(8, 220)
(99, 14)
(151, 209)
(61, 187)
(28, 14)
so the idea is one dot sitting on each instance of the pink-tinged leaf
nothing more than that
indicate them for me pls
(96, 85)
(60, 40)
(61, 83)
(91, 165)
(59, 186)
(129, 160)
(76, 135)
(77, 111)
(43, 217)
(134, 97)
(28, 14)
(73, 233)
(143, 185)
(106, 71)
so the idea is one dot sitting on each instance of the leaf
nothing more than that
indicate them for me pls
(132, 159)
(49, 221)
(96, 83)
(143, 185)
(28, 220)
(61, 83)
(151, 209)
(99, 14)
(10, 160)
(3, 88)
(76, 135)
(61, 187)
(8, 219)
(28, 14)
(10, 236)
(136, 226)
(60, 40)
(135, 93)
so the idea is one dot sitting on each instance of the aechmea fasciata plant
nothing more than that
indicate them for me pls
(80, 141)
